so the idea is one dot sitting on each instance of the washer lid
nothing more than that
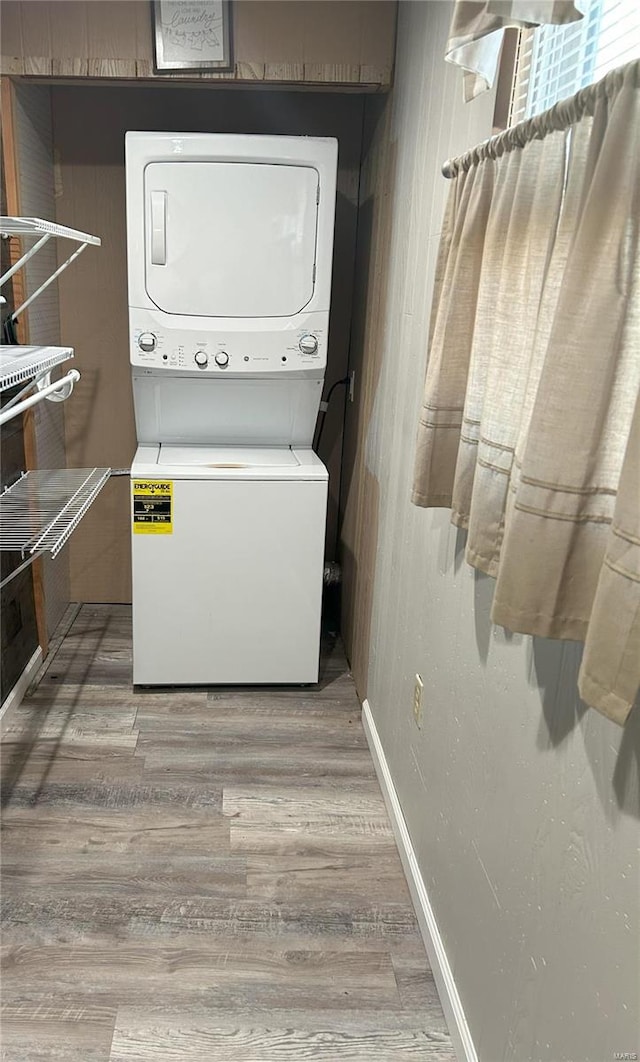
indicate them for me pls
(231, 463)
(231, 457)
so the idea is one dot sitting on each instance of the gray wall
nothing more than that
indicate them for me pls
(522, 805)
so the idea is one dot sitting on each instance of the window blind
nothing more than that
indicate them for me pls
(555, 61)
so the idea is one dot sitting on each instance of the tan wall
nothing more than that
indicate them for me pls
(299, 41)
(89, 127)
(522, 805)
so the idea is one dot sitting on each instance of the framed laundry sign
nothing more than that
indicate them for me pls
(192, 34)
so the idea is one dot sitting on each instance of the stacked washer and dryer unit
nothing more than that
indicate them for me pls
(230, 242)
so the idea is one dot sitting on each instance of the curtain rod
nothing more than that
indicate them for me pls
(558, 118)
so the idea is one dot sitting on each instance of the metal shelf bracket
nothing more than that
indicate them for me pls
(34, 226)
(58, 391)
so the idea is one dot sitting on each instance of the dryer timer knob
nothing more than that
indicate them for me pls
(147, 341)
(308, 344)
(222, 359)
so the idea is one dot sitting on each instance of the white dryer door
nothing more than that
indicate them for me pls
(230, 239)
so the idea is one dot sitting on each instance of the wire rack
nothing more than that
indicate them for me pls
(45, 230)
(18, 364)
(40, 510)
(34, 226)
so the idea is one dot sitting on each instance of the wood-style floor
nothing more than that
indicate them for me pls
(201, 874)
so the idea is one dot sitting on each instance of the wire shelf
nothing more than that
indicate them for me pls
(40, 510)
(18, 364)
(35, 226)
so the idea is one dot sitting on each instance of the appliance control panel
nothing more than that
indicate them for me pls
(299, 343)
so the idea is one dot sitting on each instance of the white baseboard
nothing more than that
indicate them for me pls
(23, 683)
(442, 973)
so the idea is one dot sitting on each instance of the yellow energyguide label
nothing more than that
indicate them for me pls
(152, 507)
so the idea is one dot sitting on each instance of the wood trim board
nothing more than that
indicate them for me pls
(506, 76)
(313, 42)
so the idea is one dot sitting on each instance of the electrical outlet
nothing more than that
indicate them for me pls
(417, 701)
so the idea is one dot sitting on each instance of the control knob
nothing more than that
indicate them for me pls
(201, 359)
(147, 341)
(308, 344)
(222, 359)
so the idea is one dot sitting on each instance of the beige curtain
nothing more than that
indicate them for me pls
(477, 30)
(609, 673)
(534, 374)
(518, 241)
